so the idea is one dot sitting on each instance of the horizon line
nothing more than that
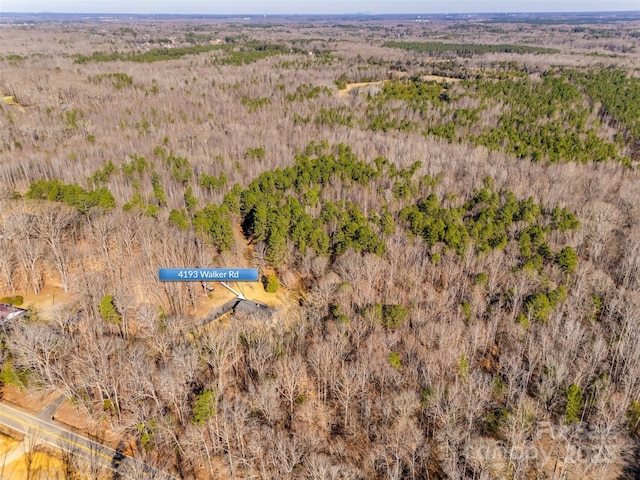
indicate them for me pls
(543, 12)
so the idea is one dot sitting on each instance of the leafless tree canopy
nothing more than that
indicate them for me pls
(398, 349)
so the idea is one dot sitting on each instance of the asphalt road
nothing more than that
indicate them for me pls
(42, 431)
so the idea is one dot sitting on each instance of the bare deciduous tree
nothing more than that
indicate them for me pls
(55, 226)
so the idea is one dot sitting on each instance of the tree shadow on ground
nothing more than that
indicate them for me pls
(631, 470)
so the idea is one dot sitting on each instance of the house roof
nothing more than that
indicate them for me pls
(9, 312)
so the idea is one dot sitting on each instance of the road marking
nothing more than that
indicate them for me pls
(66, 440)
(28, 423)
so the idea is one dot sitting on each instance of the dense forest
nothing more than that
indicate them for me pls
(445, 217)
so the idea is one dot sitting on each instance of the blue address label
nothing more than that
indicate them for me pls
(208, 274)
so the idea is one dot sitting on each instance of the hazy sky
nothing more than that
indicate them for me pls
(311, 7)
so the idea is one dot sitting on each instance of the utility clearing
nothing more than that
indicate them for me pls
(424, 78)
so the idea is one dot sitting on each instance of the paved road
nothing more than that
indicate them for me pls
(50, 410)
(40, 431)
